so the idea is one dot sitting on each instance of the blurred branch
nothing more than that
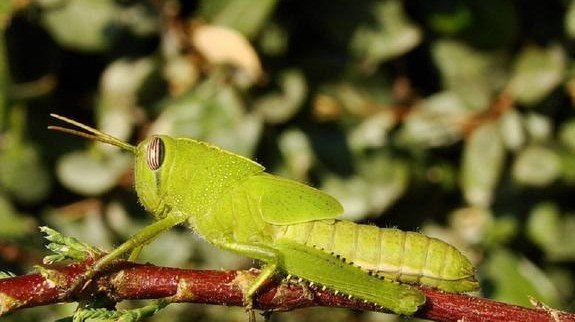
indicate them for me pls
(498, 107)
(127, 280)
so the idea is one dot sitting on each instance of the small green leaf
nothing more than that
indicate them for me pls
(80, 24)
(464, 71)
(539, 127)
(543, 225)
(512, 130)
(90, 174)
(570, 19)
(217, 117)
(483, 158)
(552, 232)
(247, 17)
(471, 223)
(297, 154)
(119, 86)
(451, 22)
(567, 167)
(353, 193)
(279, 107)
(537, 72)
(94, 26)
(536, 166)
(132, 315)
(516, 277)
(19, 163)
(436, 121)
(388, 177)
(6, 274)
(14, 225)
(274, 40)
(380, 181)
(373, 131)
(390, 36)
(567, 135)
(65, 247)
(503, 230)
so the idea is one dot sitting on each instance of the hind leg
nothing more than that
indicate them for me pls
(322, 268)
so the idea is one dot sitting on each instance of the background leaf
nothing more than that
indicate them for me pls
(483, 158)
(536, 72)
(451, 118)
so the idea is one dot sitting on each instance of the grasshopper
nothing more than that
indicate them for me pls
(292, 228)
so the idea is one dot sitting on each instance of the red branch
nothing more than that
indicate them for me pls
(128, 280)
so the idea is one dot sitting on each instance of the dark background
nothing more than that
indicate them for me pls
(452, 118)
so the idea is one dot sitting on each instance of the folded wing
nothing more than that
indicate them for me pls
(285, 202)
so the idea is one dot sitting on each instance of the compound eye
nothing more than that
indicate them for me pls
(156, 152)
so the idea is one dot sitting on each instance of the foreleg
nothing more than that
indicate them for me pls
(141, 237)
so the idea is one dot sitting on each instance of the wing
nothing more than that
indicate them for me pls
(285, 202)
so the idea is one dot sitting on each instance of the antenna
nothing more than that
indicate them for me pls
(92, 134)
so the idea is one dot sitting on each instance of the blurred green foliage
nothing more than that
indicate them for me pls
(454, 118)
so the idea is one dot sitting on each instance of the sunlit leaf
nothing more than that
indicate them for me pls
(91, 174)
(451, 22)
(543, 225)
(247, 17)
(512, 130)
(215, 117)
(436, 121)
(274, 40)
(119, 87)
(81, 24)
(504, 230)
(536, 166)
(392, 34)
(538, 126)
(567, 167)
(92, 26)
(221, 45)
(373, 132)
(23, 173)
(570, 20)
(4, 79)
(297, 153)
(361, 98)
(537, 72)
(471, 223)
(514, 277)
(483, 157)
(381, 180)
(13, 225)
(281, 106)
(472, 75)
(552, 232)
(88, 226)
(567, 135)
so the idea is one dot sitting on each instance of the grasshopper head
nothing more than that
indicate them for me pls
(151, 157)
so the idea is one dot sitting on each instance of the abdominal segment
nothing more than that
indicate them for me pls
(392, 254)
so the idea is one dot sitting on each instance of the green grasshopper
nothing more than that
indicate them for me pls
(292, 228)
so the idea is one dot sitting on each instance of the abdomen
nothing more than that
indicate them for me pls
(393, 254)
